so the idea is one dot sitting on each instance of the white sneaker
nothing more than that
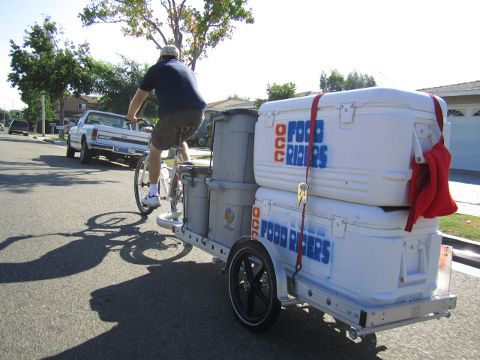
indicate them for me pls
(151, 201)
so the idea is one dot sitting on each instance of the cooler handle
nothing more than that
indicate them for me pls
(422, 273)
(417, 149)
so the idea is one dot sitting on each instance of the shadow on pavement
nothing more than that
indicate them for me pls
(74, 163)
(181, 311)
(51, 170)
(104, 233)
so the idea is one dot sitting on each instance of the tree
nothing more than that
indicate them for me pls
(337, 82)
(34, 107)
(44, 65)
(357, 80)
(118, 84)
(191, 30)
(278, 92)
(334, 82)
(238, 97)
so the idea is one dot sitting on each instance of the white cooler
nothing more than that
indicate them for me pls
(364, 144)
(358, 251)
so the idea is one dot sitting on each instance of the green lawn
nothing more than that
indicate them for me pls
(464, 226)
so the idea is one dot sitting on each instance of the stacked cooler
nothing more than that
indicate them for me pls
(354, 242)
(232, 185)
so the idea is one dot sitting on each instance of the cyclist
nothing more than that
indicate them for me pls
(179, 105)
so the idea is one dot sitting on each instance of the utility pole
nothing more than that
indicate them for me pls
(43, 115)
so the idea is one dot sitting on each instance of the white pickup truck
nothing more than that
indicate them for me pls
(111, 135)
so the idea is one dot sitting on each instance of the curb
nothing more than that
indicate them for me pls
(464, 251)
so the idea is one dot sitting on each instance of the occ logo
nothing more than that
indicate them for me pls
(291, 144)
(255, 222)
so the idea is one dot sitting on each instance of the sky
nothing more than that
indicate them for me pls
(407, 44)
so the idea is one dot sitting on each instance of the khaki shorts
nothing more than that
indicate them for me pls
(165, 132)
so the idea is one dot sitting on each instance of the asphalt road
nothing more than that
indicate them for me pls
(82, 275)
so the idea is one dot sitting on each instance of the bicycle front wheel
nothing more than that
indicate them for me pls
(142, 185)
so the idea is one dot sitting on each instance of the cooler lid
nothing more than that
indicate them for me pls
(368, 97)
(193, 170)
(366, 216)
(237, 111)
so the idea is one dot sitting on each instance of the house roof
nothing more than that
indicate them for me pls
(89, 99)
(230, 104)
(467, 88)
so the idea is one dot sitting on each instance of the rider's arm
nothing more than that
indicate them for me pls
(135, 104)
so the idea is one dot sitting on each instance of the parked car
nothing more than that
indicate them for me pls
(108, 134)
(18, 126)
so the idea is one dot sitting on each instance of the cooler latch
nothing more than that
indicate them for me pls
(270, 118)
(339, 225)
(346, 113)
(266, 206)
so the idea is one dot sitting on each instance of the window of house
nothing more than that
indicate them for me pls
(454, 112)
(82, 106)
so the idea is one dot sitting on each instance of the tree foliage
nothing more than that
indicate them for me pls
(357, 80)
(278, 92)
(193, 31)
(33, 111)
(281, 91)
(334, 82)
(46, 65)
(118, 84)
(337, 82)
(238, 97)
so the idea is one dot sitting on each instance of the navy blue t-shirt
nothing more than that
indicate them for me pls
(175, 87)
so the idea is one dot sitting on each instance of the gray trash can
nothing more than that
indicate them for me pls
(195, 198)
(233, 145)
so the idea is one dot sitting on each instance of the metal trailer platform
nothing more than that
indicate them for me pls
(362, 320)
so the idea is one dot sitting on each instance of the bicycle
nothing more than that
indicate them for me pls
(169, 185)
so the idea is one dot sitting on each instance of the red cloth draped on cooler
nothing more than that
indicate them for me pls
(429, 194)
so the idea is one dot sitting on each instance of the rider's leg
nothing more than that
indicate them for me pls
(152, 199)
(154, 167)
(185, 155)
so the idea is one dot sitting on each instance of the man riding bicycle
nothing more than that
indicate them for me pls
(180, 108)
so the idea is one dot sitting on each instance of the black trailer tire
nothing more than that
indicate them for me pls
(252, 287)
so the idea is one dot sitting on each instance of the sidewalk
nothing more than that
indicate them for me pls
(465, 190)
(49, 138)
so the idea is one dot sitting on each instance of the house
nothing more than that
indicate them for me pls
(76, 106)
(463, 102)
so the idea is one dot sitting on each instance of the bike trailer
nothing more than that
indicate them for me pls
(363, 145)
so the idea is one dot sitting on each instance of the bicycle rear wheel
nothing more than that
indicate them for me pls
(141, 185)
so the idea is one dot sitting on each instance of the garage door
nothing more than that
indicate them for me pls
(465, 140)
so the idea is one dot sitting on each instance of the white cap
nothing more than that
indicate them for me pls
(169, 50)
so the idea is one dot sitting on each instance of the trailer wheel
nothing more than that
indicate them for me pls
(252, 287)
